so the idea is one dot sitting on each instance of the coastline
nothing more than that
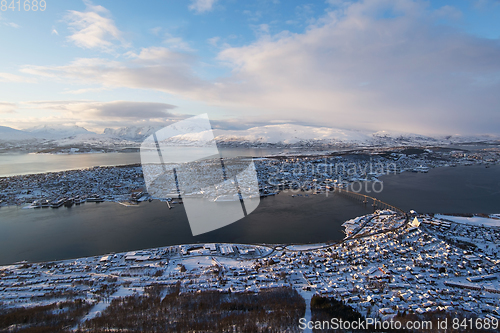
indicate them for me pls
(324, 269)
(90, 229)
(86, 217)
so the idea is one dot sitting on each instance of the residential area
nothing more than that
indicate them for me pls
(274, 174)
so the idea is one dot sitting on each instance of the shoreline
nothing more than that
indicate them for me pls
(125, 192)
(370, 150)
(140, 185)
(324, 269)
(352, 229)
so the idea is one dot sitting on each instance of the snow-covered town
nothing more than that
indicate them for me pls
(391, 264)
(250, 166)
(274, 173)
(58, 188)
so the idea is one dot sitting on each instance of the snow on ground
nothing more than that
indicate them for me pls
(102, 305)
(476, 220)
(307, 295)
(291, 133)
(231, 262)
(196, 263)
(305, 247)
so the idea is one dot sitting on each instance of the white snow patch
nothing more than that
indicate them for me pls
(476, 220)
(305, 247)
(291, 133)
(102, 305)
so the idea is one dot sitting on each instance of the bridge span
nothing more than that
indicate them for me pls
(368, 200)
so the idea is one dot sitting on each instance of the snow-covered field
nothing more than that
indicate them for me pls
(305, 247)
(476, 220)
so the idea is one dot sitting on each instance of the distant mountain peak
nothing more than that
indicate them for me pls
(57, 131)
(12, 134)
(276, 134)
(134, 133)
(291, 134)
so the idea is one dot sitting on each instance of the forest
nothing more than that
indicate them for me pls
(160, 310)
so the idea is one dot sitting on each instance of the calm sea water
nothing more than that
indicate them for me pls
(23, 164)
(91, 229)
(466, 189)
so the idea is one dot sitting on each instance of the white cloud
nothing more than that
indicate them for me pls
(213, 41)
(12, 24)
(115, 110)
(8, 77)
(202, 6)
(90, 29)
(338, 2)
(253, 16)
(153, 68)
(6, 107)
(264, 28)
(378, 64)
(156, 31)
(449, 12)
(83, 90)
(93, 115)
(355, 68)
(176, 43)
(483, 4)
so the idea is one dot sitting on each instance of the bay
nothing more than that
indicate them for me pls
(93, 229)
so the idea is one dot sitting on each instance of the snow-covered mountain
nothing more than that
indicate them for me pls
(11, 134)
(57, 132)
(134, 133)
(291, 134)
(395, 138)
(284, 134)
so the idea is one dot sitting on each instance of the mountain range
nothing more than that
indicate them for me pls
(285, 134)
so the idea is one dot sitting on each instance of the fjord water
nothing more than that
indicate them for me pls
(464, 189)
(23, 164)
(92, 229)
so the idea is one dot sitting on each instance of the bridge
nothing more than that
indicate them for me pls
(366, 199)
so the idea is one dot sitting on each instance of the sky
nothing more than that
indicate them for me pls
(427, 67)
